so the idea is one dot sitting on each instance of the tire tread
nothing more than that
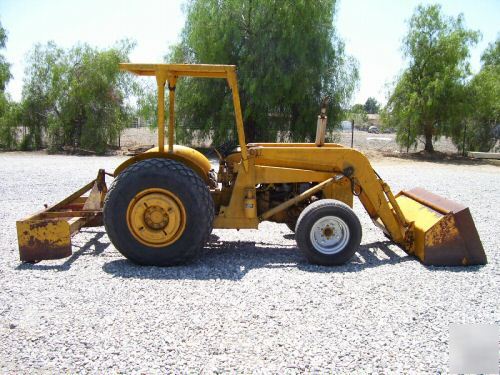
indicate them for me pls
(302, 233)
(152, 168)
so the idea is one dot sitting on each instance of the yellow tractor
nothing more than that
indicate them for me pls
(163, 204)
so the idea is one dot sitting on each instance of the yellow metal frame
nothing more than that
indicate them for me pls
(170, 73)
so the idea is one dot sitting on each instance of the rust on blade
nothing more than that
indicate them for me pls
(40, 240)
(444, 245)
(444, 233)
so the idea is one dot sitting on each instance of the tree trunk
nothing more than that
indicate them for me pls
(38, 137)
(428, 138)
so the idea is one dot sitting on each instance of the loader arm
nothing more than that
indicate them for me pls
(380, 204)
(373, 193)
(436, 230)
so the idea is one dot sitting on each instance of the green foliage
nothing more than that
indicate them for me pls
(42, 82)
(8, 110)
(491, 57)
(147, 105)
(429, 98)
(288, 56)
(76, 96)
(358, 108)
(5, 75)
(371, 106)
(358, 114)
(483, 94)
(9, 121)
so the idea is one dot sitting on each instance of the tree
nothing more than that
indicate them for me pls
(491, 57)
(8, 109)
(483, 93)
(358, 108)
(42, 84)
(429, 98)
(9, 121)
(289, 57)
(147, 104)
(5, 75)
(76, 96)
(357, 114)
(371, 106)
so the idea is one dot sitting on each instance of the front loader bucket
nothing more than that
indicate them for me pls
(444, 233)
(47, 234)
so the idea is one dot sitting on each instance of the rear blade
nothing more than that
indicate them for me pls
(444, 233)
(43, 239)
(47, 234)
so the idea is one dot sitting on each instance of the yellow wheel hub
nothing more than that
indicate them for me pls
(156, 217)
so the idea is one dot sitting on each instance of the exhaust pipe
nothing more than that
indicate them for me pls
(320, 130)
(321, 124)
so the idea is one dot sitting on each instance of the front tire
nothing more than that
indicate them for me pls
(158, 212)
(328, 232)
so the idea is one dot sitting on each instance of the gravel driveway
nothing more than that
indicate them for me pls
(249, 303)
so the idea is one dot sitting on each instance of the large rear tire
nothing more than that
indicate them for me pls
(158, 212)
(328, 232)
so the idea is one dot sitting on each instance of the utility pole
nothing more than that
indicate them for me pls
(408, 140)
(352, 133)
(465, 132)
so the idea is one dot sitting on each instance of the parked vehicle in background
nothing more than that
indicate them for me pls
(373, 129)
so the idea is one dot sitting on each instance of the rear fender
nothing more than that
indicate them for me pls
(185, 155)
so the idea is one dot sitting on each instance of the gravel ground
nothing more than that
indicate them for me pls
(249, 303)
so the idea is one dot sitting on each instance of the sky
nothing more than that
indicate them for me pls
(372, 31)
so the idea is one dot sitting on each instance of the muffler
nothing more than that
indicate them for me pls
(321, 124)
(443, 231)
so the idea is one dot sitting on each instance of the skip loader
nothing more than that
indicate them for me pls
(163, 204)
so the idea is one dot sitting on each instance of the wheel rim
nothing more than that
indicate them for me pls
(329, 235)
(156, 217)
